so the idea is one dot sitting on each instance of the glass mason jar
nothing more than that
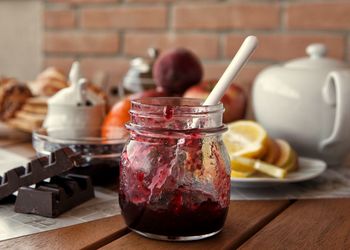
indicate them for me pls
(175, 172)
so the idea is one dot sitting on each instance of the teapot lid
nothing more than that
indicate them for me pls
(316, 59)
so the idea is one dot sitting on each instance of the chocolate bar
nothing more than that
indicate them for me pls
(37, 170)
(53, 198)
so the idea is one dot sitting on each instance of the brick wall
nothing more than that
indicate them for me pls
(106, 34)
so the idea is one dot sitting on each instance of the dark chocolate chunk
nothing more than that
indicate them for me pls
(53, 198)
(8, 200)
(37, 170)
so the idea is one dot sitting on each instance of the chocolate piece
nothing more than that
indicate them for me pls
(103, 172)
(8, 200)
(53, 198)
(37, 170)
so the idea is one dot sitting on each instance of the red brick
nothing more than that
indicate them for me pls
(214, 16)
(83, 1)
(125, 17)
(62, 63)
(59, 19)
(281, 47)
(70, 42)
(214, 70)
(203, 45)
(166, 1)
(149, 1)
(113, 67)
(331, 16)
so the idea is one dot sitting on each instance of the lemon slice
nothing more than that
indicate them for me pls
(292, 164)
(260, 166)
(273, 151)
(241, 169)
(238, 174)
(245, 138)
(238, 164)
(270, 170)
(285, 155)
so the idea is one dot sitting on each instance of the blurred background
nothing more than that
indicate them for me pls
(105, 34)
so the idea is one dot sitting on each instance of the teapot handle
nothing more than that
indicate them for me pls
(336, 92)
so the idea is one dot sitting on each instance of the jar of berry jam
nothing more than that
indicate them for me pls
(175, 172)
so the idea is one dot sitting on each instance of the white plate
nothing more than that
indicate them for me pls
(308, 169)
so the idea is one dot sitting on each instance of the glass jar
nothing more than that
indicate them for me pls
(175, 172)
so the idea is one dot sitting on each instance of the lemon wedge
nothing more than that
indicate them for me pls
(292, 164)
(240, 169)
(252, 165)
(245, 138)
(238, 174)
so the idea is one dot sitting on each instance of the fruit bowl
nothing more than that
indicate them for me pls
(100, 155)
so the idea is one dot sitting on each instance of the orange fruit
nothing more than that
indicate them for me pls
(116, 119)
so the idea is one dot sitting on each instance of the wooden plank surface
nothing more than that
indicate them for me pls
(245, 218)
(307, 224)
(89, 235)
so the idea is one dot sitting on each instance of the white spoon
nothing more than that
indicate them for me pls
(248, 46)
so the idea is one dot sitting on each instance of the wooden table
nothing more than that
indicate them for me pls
(287, 224)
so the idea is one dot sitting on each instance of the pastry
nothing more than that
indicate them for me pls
(5, 80)
(25, 125)
(48, 82)
(31, 116)
(36, 105)
(35, 117)
(35, 109)
(98, 91)
(13, 95)
(52, 73)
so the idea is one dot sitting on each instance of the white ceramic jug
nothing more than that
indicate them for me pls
(307, 102)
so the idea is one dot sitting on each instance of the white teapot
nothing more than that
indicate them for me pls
(307, 102)
(75, 109)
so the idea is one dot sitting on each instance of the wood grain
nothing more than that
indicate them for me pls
(244, 219)
(89, 235)
(307, 224)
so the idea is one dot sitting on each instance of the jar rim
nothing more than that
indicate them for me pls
(175, 133)
(181, 105)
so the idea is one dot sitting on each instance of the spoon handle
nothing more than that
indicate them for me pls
(248, 46)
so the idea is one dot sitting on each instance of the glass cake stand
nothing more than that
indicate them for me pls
(101, 156)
